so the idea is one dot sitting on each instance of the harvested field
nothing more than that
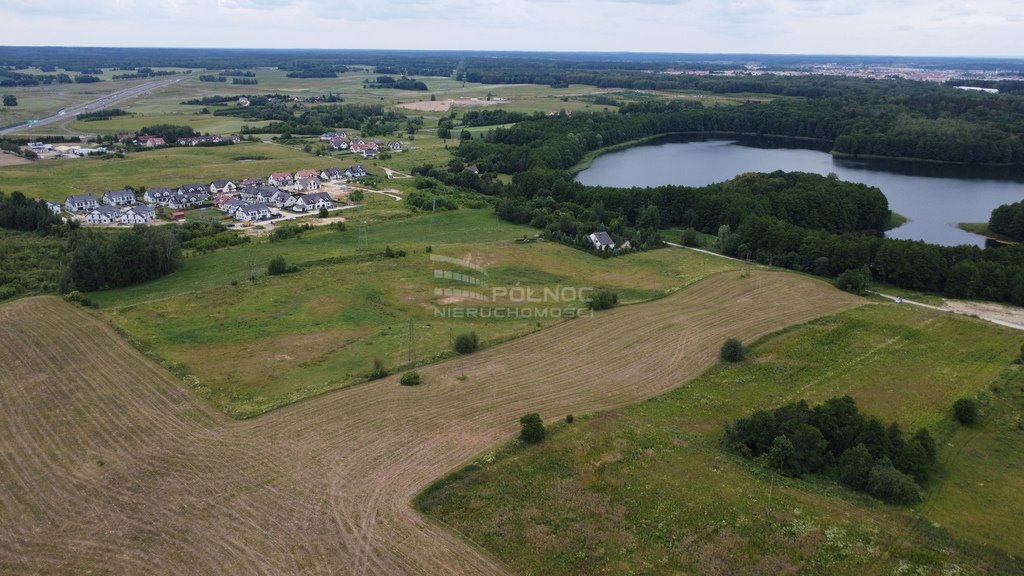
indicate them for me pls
(444, 105)
(109, 465)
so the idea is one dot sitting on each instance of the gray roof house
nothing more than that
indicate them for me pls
(157, 194)
(254, 211)
(103, 215)
(356, 171)
(313, 201)
(138, 215)
(194, 189)
(332, 174)
(81, 202)
(601, 240)
(222, 187)
(119, 198)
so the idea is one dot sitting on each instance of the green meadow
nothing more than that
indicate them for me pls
(650, 490)
(253, 345)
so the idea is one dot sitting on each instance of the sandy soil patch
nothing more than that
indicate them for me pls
(443, 105)
(8, 159)
(1003, 314)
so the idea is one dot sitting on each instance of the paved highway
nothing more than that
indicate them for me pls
(98, 104)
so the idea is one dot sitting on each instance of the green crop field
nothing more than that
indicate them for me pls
(283, 338)
(649, 489)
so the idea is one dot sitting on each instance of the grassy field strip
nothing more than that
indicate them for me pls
(322, 485)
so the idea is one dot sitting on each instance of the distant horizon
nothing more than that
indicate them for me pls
(736, 55)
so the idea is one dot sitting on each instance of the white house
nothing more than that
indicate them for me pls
(356, 171)
(103, 215)
(281, 179)
(283, 199)
(54, 207)
(185, 200)
(601, 240)
(222, 187)
(138, 215)
(309, 202)
(395, 146)
(194, 189)
(307, 184)
(232, 206)
(81, 202)
(119, 198)
(157, 195)
(332, 174)
(254, 211)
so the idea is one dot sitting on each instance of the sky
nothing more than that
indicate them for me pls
(875, 27)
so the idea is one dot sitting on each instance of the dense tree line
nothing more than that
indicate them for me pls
(169, 132)
(144, 72)
(837, 440)
(245, 81)
(105, 114)
(10, 78)
(372, 119)
(100, 260)
(255, 100)
(87, 79)
(492, 117)
(18, 212)
(238, 72)
(212, 78)
(1008, 220)
(402, 83)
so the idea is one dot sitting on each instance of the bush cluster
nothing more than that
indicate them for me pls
(466, 343)
(836, 440)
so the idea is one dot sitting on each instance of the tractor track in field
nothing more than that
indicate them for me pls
(108, 465)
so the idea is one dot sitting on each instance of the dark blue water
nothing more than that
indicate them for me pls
(933, 197)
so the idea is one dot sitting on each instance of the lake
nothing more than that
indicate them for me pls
(933, 197)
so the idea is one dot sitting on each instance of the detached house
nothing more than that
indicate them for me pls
(307, 184)
(601, 240)
(280, 179)
(81, 202)
(308, 202)
(103, 215)
(232, 206)
(157, 195)
(395, 146)
(138, 215)
(340, 144)
(356, 171)
(54, 207)
(222, 187)
(307, 174)
(250, 182)
(194, 189)
(252, 212)
(183, 200)
(119, 198)
(332, 174)
(334, 135)
(282, 199)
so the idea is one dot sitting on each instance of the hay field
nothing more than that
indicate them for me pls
(108, 465)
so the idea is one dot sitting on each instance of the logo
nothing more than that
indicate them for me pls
(468, 294)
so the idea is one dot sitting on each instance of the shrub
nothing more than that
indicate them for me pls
(966, 411)
(690, 238)
(379, 371)
(570, 419)
(277, 266)
(603, 300)
(466, 343)
(733, 351)
(855, 467)
(854, 280)
(410, 379)
(323, 213)
(532, 430)
(356, 196)
(889, 484)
